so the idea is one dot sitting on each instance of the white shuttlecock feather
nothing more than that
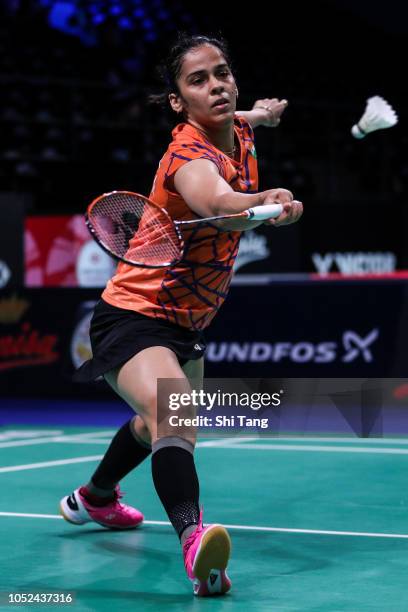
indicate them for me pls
(378, 115)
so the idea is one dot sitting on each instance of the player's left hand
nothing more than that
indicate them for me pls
(292, 211)
(273, 109)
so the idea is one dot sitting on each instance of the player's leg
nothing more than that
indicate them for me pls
(98, 499)
(206, 550)
(137, 382)
(129, 447)
(173, 467)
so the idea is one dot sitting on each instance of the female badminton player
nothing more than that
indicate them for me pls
(149, 323)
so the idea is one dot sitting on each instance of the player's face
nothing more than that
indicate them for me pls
(207, 87)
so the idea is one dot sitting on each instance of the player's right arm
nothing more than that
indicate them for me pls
(206, 192)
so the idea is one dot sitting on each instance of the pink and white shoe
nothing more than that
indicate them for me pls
(206, 552)
(76, 509)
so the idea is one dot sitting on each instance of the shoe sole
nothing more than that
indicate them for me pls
(213, 554)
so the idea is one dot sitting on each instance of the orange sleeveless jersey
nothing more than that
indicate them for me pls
(190, 293)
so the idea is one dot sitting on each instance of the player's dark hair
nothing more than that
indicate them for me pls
(169, 70)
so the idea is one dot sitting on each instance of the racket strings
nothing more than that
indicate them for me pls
(135, 230)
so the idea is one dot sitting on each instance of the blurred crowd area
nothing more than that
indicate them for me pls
(75, 77)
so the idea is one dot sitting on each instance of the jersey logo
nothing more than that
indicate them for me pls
(252, 151)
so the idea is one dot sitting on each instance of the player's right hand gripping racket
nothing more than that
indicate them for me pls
(133, 229)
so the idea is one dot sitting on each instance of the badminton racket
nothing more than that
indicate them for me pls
(133, 229)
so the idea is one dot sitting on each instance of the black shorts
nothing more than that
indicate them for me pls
(117, 334)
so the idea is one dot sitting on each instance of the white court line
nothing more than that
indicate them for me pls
(321, 449)
(34, 442)
(67, 438)
(334, 439)
(93, 434)
(268, 447)
(63, 440)
(28, 515)
(83, 438)
(44, 464)
(224, 442)
(228, 442)
(9, 434)
(89, 438)
(367, 441)
(359, 534)
(57, 462)
(80, 439)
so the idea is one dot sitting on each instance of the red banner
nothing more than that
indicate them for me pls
(59, 252)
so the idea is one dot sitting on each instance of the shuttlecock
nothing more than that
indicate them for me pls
(378, 115)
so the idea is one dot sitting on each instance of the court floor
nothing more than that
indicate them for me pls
(317, 524)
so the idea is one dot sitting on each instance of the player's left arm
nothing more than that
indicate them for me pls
(267, 112)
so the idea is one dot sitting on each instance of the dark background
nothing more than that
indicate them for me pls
(74, 122)
(74, 118)
(74, 114)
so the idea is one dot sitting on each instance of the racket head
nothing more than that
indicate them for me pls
(135, 230)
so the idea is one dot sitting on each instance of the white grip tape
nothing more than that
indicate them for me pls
(267, 211)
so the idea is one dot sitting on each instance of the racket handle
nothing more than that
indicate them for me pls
(267, 211)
